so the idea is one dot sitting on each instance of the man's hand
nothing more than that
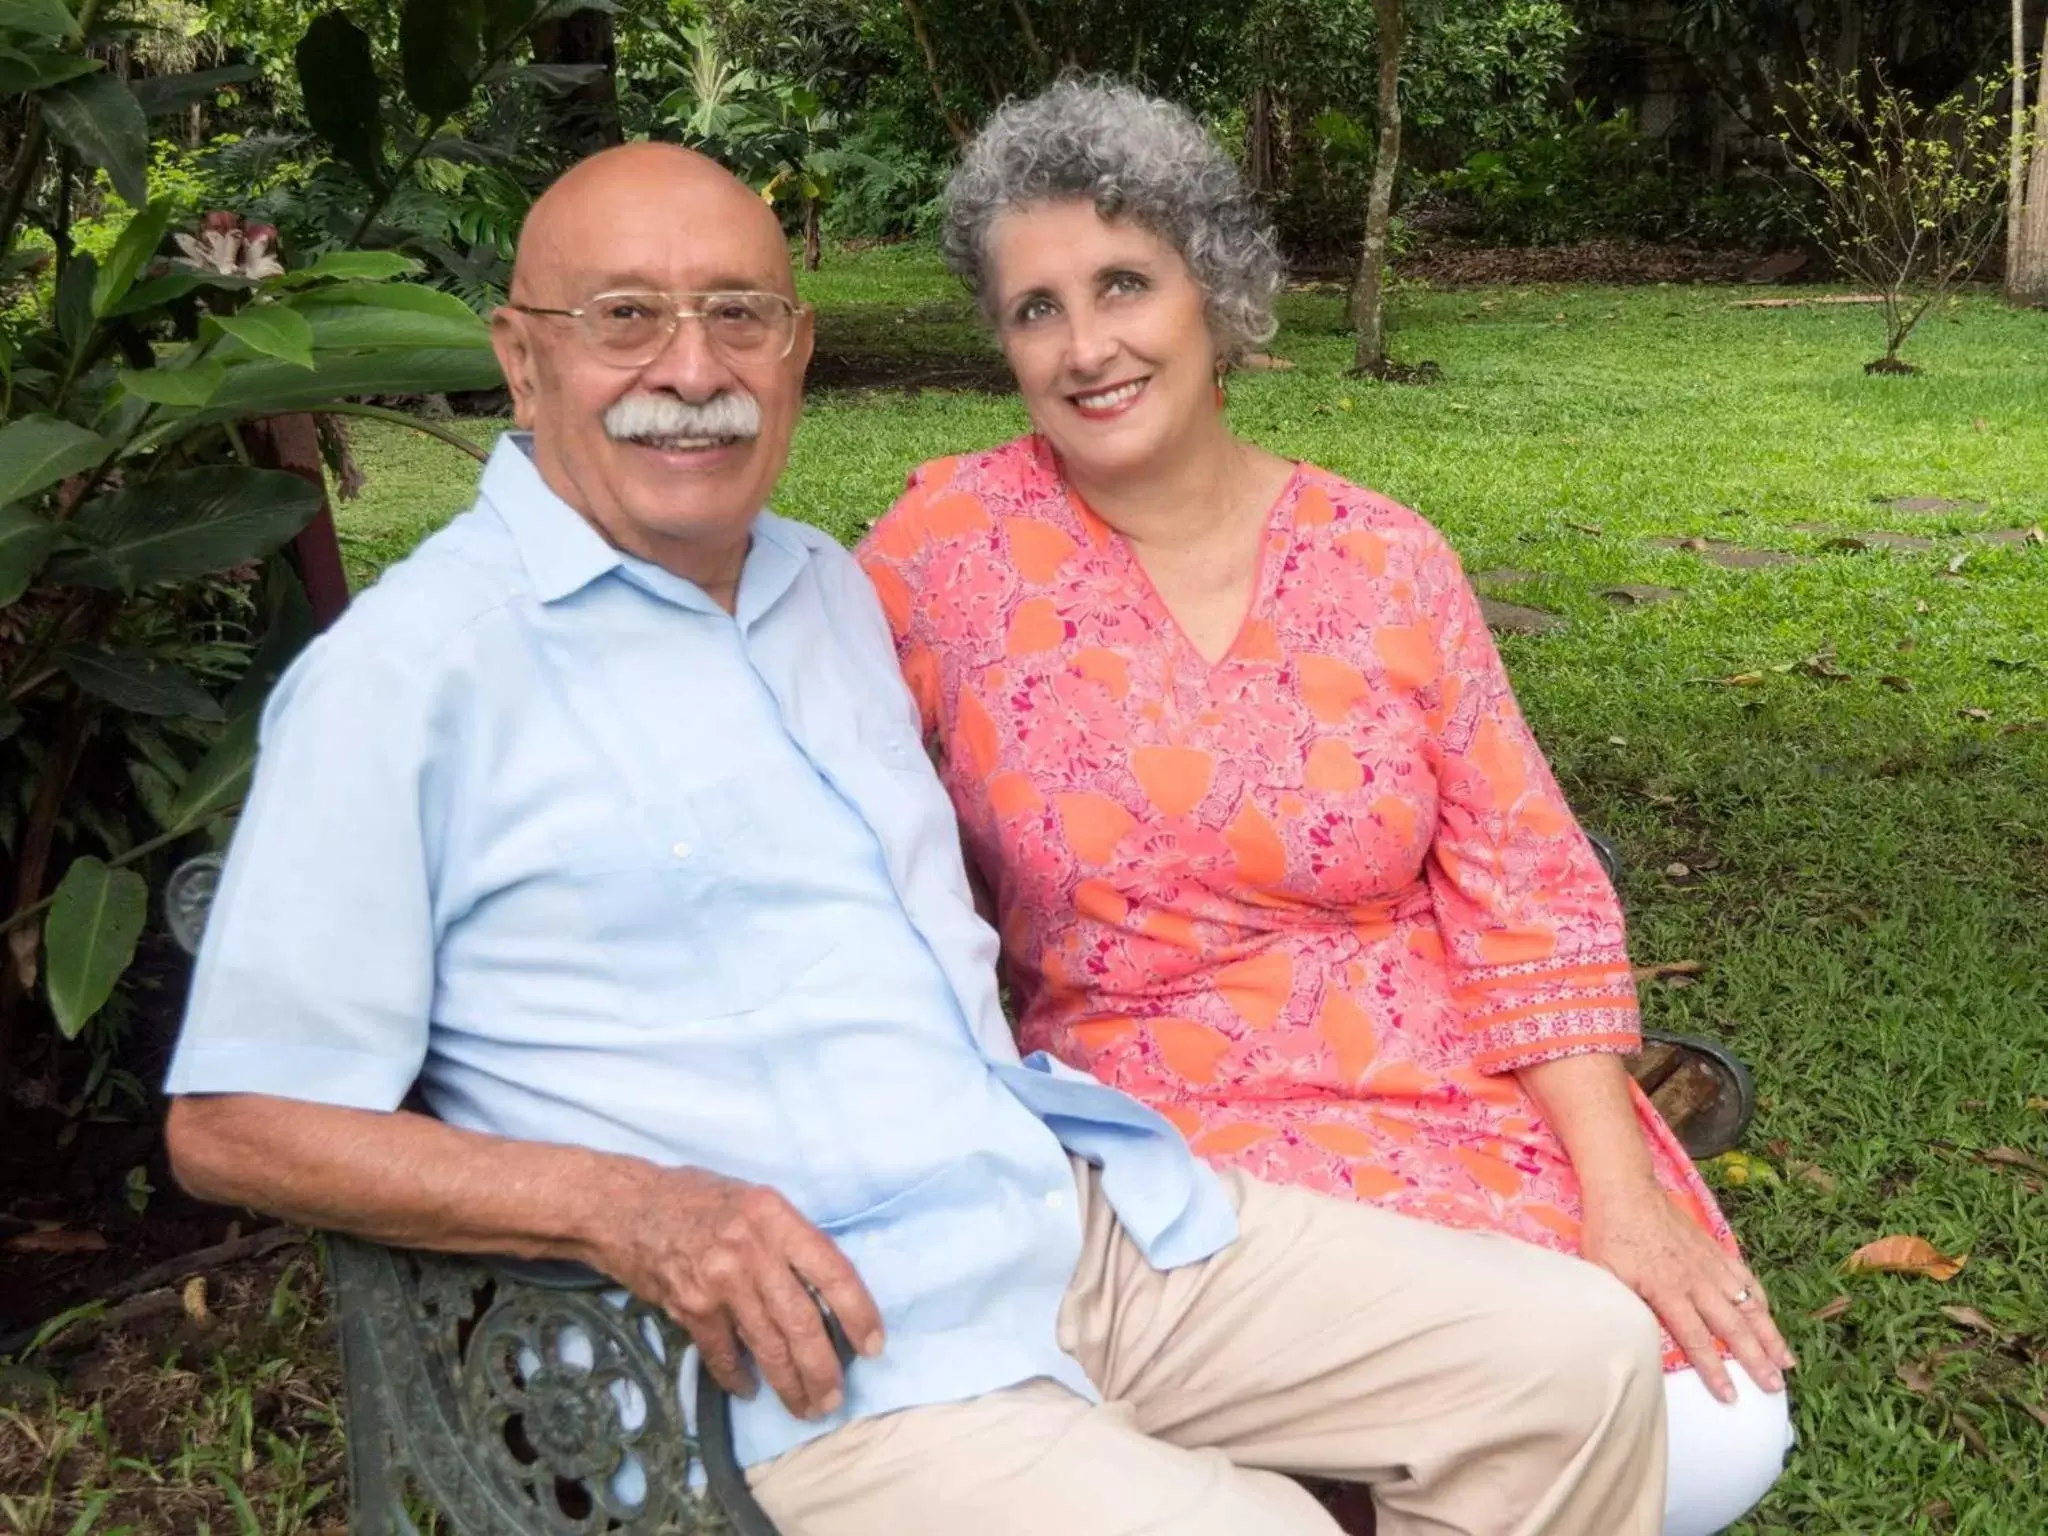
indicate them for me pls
(729, 1261)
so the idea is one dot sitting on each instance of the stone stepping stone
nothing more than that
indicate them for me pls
(2011, 538)
(1641, 596)
(1514, 619)
(1879, 538)
(1731, 557)
(1934, 506)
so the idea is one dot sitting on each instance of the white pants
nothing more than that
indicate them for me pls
(1724, 1456)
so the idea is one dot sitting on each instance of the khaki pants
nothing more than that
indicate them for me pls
(1481, 1385)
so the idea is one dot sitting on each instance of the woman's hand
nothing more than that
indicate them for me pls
(1698, 1289)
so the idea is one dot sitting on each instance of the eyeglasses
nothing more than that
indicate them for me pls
(632, 329)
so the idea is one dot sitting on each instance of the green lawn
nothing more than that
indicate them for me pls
(1866, 855)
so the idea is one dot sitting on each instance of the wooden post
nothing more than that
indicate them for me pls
(292, 443)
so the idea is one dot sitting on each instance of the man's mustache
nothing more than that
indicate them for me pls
(728, 414)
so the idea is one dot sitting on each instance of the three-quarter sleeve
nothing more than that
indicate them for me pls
(1532, 929)
(316, 974)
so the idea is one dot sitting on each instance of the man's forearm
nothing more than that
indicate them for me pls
(400, 1178)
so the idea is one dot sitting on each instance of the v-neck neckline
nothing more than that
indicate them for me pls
(1273, 539)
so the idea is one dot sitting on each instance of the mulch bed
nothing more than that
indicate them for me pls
(1594, 261)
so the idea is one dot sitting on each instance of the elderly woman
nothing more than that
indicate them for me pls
(1269, 843)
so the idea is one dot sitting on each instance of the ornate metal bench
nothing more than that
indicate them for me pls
(511, 1399)
(506, 1398)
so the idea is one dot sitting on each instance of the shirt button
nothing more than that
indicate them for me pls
(1055, 1201)
(681, 850)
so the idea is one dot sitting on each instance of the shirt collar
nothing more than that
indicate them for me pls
(563, 553)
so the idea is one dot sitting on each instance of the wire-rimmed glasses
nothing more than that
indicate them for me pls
(632, 328)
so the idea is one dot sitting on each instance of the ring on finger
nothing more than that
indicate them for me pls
(1743, 1297)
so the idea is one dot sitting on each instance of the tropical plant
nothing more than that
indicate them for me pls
(1910, 198)
(159, 448)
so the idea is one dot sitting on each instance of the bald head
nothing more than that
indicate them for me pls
(625, 206)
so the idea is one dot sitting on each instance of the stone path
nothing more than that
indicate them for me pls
(1731, 557)
(1641, 596)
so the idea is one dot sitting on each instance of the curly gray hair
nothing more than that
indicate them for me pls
(1134, 157)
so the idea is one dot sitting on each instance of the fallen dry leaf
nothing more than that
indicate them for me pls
(57, 1240)
(1904, 1255)
(23, 945)
(2034, 1411)
(193, 1298)
(1974, 713)
(1917, 1377)
(1677, 869)
(1971, 1318)
(1734, 680)
(1829, 1311)
(1591, 530)
(1814, 1174)
(1669, 969)
(2038, 1103)
(1955, 566)
(1896, 683)
(2013, 1157)
(1980, 425)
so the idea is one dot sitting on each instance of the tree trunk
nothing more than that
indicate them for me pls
(1259, 142)
(1368, 290)
(954, 124)
(2016, 163)
(589, 114)
(813, 242)
(2026, 272)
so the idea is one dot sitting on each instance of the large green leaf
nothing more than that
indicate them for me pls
(338, 326)
(138, 682)
(219, 779)
(161, 95)
(413, 296)
(38, 451)
(90, 937)
(21, 73)
(371, 265)
(273, 330)
(189, 386)
(131, 253)
(97, 117)
(440, 48)
(38, 18)
(75, 283)
(287, 625)
(175, 284)
(272, 387)
(179, 526)
(339, 81)
(25, 542)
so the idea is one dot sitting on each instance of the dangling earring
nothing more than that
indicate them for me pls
(1222, 394)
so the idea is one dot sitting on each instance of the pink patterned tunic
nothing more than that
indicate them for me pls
(1315, 902)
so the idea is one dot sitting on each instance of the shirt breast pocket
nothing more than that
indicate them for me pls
(683, 895)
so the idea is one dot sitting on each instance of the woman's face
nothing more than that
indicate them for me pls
(1105, 329)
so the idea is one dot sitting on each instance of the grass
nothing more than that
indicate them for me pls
(1866, 857)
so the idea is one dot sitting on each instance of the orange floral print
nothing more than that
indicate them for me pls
(1315, 902)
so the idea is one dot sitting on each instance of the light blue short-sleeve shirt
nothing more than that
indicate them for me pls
(541, 829)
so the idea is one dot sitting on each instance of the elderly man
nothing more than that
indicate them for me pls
(604, 819)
